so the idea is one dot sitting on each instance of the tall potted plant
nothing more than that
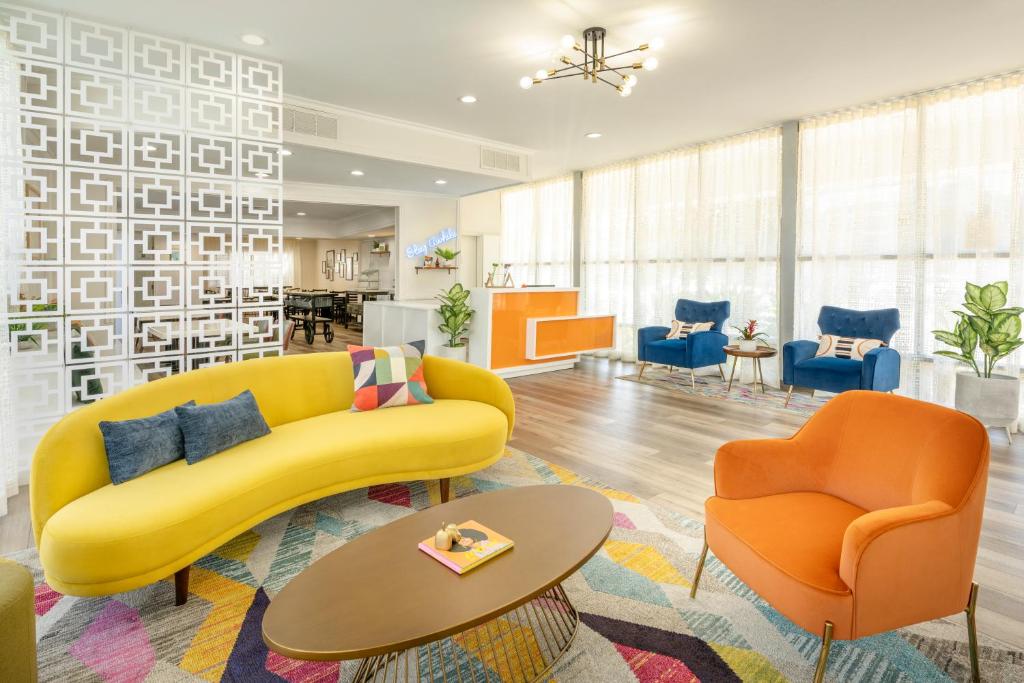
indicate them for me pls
(455, 317)
(994, 328)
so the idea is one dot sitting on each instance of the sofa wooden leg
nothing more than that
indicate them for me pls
(643, 366)
(700, 569)
(972, 633)
(826, 645)
(445, 488)
(181, 586)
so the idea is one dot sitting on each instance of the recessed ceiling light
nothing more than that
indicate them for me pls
(301, 213)
(253, 39)
(356, 172)
(440, 181)
(594, 135)
(467, 99)
(285, 152)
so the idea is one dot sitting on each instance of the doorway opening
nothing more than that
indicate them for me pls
(336, 256)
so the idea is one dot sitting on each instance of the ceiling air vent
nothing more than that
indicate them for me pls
(500, 160)
(310, 122)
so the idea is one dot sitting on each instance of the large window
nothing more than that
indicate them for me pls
(699, 223)
(536, 232)
(901, 203)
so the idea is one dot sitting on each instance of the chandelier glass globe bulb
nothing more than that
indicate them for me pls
(541, 73)
(525, 82)
(656, 43)
(650, 64)
(625, 92)
(630, 80)
(568, 41)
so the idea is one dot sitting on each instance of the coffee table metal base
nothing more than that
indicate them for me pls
(520, 645)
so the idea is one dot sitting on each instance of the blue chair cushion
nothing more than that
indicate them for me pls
(829, 374)
(667, 351)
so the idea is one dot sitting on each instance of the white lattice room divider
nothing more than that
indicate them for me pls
(151, 239)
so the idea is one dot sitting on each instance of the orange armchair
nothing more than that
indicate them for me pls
(866, 520)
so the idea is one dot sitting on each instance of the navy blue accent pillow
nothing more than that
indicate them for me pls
(215, 427)
(135, 447)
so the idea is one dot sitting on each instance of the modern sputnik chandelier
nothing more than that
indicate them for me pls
(595, 63)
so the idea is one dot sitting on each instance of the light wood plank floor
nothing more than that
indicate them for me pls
(660, 445)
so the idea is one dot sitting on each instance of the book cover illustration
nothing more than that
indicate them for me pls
(485, 543)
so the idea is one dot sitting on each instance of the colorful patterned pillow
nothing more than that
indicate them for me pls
(681, 329)
(388, 376)
(854, 348)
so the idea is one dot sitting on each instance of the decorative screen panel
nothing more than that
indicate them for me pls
(150, 240)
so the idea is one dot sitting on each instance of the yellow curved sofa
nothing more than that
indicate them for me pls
(95, 538)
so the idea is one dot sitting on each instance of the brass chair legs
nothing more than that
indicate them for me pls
(826, 645)
(693, 380)
(789, 395)
(721, 371)
(700, 568)
(643, 366)
(972, 633)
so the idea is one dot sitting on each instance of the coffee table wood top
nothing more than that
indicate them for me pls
(762, 352)
(380, 593)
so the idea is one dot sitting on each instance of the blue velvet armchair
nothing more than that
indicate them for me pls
(879, 371)
(697, 350)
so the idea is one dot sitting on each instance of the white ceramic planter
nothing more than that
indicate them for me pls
(453, 352)
(994, 400)
(748, 344)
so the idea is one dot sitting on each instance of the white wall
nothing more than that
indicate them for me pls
(420, 215)
(480, 214)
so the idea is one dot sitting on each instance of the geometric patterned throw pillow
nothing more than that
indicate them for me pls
(681, 330)
(854, 348)
(388, 376)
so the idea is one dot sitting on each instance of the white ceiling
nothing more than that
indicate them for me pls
(318, 165)
(326, 211)
(729, 65)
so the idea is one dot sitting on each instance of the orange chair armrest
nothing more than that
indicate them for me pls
(904, 565)
(761, 467)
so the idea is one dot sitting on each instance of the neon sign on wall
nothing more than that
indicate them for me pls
(433, 242)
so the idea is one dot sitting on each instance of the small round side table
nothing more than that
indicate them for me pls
(755, 356)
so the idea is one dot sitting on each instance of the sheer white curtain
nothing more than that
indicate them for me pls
(699, 223)
(11, 207)
(902, 203)
(536, 232)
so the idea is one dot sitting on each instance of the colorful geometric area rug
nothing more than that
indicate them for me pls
(713, 386)
(638, 622)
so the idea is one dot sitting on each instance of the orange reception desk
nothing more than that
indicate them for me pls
(534, 329)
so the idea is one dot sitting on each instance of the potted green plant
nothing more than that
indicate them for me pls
(992, 327)
(750, 338)
(455, 317)
(446, 255)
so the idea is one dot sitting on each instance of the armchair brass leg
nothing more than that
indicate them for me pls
(789, 395)
(693, 381)
(826, 645)
(700, 569)
(972, 633)
(1009, 436)
(643, 366)
(721, 371)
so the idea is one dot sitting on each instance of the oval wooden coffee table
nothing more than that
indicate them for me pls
(408, 617)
